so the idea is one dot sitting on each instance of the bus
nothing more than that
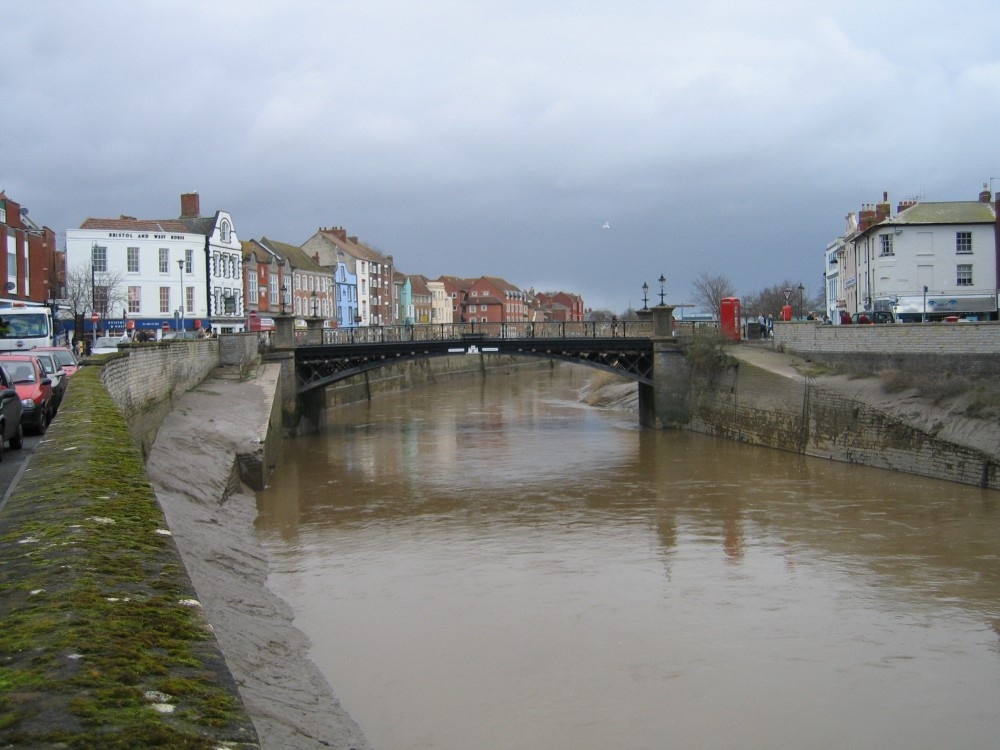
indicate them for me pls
(24, 327)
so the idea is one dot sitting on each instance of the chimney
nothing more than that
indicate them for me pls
(984, 194)
(882, 208)
(190, 206)
(903, 205)
(866, 216)
(339, 232)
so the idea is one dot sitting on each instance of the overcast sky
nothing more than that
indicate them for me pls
(497, 138)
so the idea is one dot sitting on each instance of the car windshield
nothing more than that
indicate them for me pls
(23, 325)
(21, 372)
(65, 357)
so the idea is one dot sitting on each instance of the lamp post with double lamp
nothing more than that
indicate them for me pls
(180, 271)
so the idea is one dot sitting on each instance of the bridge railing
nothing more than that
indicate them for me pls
(486, 331)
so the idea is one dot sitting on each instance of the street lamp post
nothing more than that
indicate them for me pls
(802, 290)
(93, 293)
(315, 303)
(645, 296)
(284, 291)
(180, 270)
(662, 290)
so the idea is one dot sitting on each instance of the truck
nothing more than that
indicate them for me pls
(23, 327)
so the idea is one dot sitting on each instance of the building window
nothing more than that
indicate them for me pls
(164, 300)
(189, 298)
(98, 259)
(964, 274)
(224, 231)
(12, 257)
(963, 243)
(164, 260)
(188, 260)
(133, 260)
(133, 299)
(101, 300)
(885, 242)
(472, 309)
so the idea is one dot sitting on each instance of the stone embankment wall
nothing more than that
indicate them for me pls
(973, 348)
(755, 405)
(145, 380)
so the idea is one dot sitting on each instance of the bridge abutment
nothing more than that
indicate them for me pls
(666, 404)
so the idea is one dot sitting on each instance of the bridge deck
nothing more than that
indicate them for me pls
(624, 348)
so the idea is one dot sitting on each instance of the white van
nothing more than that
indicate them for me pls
(25, 327)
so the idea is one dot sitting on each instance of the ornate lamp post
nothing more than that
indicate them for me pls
(180, 269)
(645, 295)
(802, 290)
(315, 303)
(662, 290)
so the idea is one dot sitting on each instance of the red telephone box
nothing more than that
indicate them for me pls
(729, 317)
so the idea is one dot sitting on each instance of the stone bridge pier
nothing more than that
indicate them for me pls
(665, 404)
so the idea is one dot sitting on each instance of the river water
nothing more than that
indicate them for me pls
(490, 565)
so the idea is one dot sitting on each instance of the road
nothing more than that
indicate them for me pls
(13, 464)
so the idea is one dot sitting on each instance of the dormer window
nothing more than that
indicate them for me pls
(224, 230)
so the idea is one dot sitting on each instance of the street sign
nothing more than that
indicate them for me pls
(788, 294)
(95, 317)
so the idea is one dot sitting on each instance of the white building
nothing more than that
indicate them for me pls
(157, 275)
(936, 259)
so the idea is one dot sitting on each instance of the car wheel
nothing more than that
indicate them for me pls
(43, 421)
(17, 441)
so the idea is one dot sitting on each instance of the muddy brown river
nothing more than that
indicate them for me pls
(490, 565)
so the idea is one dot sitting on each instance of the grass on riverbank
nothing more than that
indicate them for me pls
(103, 643)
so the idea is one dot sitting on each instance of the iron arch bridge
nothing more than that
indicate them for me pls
(625, 348)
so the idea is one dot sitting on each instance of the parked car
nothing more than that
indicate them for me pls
(66, 359)
(56, 375)
(33, 387)
(11, 411)
(878, 316)
(180, 335)
(106, 345)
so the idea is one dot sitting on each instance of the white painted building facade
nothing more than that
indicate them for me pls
(928, 260)
(158, 275)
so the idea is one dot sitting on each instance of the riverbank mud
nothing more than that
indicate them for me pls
(192, 466)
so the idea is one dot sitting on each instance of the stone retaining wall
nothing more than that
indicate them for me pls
(144, 381)
(757, 406)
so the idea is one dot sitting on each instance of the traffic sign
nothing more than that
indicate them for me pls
(788, 294)
(95, 317)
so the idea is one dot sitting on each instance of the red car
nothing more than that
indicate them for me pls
(63, 356)
(34, 388)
